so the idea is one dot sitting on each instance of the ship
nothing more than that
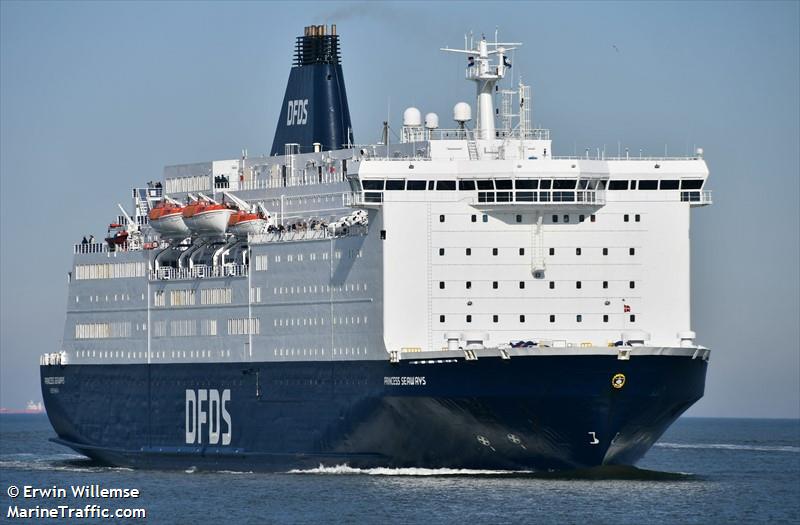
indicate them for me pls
(454, 297)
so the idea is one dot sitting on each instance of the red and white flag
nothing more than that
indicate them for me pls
(626, 308)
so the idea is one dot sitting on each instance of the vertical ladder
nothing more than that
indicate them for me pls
(472, 146)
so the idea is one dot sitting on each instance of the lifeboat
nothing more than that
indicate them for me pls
(243, 223)
(166, 218)
(207, 218)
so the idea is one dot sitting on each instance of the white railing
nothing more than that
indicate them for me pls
(308, 234)
(199, 272)
(533, 197)
(593, 155)
(53, 359)
(464, 134)
(696, 197)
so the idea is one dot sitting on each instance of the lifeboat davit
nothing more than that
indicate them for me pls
(243, 223)
(166, 218)
(206, 218)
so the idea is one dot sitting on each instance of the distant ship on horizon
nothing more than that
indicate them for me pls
(31, 408)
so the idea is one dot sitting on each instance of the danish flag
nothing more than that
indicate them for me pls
(626, 308)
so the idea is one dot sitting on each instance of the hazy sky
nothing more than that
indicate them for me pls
(97, 97)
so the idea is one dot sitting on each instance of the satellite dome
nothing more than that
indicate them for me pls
(431, 121)
(462, 112)
(412, 117)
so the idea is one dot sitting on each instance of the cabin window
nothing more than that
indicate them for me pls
(495, 285)
(441, 251)
(485, 218)
(552, 251)
(578, 285)
(605, 251)
(469, 318)
(521, 285)
(552, 318)
(552, 285)
(637, 218)
(555, 218)
(632, 318)
(519, 218)
(441, 318)
(566, 218)
(577, 251)
(626, 218)
(522, 251)
(632, 251)
(605, 318)
(469, 284)
(579, 318)
(495, 318)
(581, 218)
(494, 251)
(469, 251)
(474, 218)
(605, 284)
(632, 284)
(441, 218)
(593, 218)
(441, 285)
(521, 318)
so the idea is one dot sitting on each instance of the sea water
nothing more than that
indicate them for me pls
(701, 471)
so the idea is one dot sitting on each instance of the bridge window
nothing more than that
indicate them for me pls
(691, 184)
(618, 185)
(545, 184)
(527, 184)
(503, 184)
(485, 184)
(648, 184)
(446, 185)
(415, 185)
(564, 184)
(466, 185)
(396, 184)
(372, 184)
(669, 184)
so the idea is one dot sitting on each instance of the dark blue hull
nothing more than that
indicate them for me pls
(542, 412)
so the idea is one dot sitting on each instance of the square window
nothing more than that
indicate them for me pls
(552, 251)
(566, 218)
(519, 218)
(441, 218)
(552, 285)
(579, 318)
(469, 284)
(605, 284)
(632, 251)
(605, 318)
(521, 285)
(632, 284)
(633, 318)
(495, 285)
(441, 318)
(495, 318)
(637, 218)
(577, 251)
(578, 285)
(555, 218)
(469, 318)
(593, 218)
(552, 318)
(521, 318)
(494, 251)
(441, 251)
(522, 251)
(474, 218)
(605, 251)
(485, 218)
(441, 285)
(626, 218)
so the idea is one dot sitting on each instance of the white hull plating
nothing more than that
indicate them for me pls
(213, 222)
(171, 226)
